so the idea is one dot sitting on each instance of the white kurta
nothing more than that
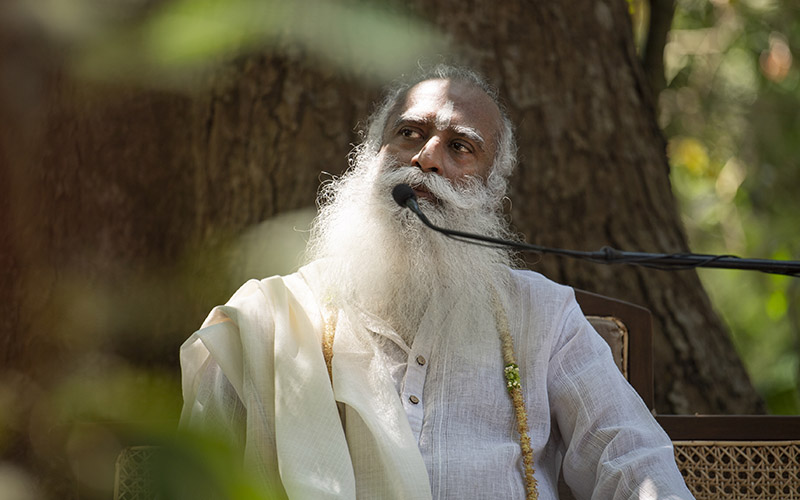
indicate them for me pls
(256, 370)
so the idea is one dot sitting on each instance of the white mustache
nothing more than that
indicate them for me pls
(466, 196)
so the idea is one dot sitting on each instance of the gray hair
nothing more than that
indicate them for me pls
(506, 154)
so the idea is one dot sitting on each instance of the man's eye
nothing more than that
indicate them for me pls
(409, 133)
(461, 147)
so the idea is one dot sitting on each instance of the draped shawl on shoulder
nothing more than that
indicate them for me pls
(266, 341)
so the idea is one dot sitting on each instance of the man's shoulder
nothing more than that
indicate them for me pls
(256, 293)
(526, 279)
(534, 290)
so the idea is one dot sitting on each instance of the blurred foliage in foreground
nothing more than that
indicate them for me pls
(173, 44)
(97, 379)
(731, 111)
(104, 396)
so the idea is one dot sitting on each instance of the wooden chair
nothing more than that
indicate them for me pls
(720, 456)
(744, 457)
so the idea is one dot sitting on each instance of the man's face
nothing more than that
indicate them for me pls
(444, 127)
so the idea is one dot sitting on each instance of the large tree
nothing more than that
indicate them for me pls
(120, 199)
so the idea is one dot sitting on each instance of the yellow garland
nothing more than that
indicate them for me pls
(514, 387)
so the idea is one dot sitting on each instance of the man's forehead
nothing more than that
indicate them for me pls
(448, 103)
(444, 115)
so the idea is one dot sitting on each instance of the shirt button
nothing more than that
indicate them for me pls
(421, 360)
(413, 399)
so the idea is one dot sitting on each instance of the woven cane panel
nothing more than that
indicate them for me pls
(615, 333)
(740, 469)
(132, 478)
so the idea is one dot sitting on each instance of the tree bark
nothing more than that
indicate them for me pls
(118, 201)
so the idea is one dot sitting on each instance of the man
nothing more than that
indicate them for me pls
(387, 367)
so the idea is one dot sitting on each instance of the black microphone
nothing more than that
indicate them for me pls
(404, 195)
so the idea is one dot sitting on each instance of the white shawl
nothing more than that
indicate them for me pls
(267, 342)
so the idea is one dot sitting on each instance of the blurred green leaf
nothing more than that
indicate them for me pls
(175, 43)
(777, 305)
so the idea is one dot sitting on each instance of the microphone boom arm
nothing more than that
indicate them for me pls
(607, 255)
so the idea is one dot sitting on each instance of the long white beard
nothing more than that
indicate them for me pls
(379, 256)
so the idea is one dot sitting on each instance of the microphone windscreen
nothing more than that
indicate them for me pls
(402, 193)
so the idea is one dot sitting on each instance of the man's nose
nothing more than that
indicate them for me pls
(430, 157)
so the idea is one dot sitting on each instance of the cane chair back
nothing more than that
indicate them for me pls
(132, 480)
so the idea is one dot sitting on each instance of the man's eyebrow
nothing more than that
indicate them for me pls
(409, 118)
(462, 130)
(471, 134)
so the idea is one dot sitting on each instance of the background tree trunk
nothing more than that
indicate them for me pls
(118, 203)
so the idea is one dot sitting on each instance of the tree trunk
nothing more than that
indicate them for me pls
(118, 202)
